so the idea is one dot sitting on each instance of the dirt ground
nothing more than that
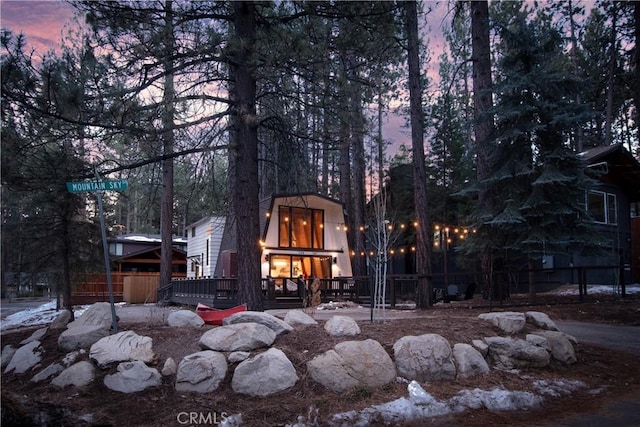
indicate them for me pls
(614, 373)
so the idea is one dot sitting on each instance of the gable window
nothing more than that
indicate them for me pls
(602, 207)
(301, 228)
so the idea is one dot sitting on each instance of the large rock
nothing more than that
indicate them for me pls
(78, 375)
(272, 322)
(509, 322)
(559, 345)
(25, 358)
(61, 320)
(541, 320)
(184, 318)
(424, 358)
(342, 326)
(7, 353)
(201, 372)
(80, 337)
(469, 361)
(36, 336)
(510, 353)
(299, 318)
(238, 337)
(352, 364)
(170, 367)
(264, 374)
(122, 347)
(98, 314)
(48, 372)
(133, 377)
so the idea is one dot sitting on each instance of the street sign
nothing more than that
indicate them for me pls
(88, 186)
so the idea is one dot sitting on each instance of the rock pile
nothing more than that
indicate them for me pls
(246, 346)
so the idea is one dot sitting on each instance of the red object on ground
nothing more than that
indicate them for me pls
(215, 316)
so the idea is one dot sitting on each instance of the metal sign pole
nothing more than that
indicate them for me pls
(107, 265)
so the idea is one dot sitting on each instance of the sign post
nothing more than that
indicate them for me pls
(98, 186)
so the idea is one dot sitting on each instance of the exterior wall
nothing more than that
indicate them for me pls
(203, 246)
(335, 237)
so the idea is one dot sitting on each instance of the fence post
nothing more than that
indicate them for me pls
(392, 291)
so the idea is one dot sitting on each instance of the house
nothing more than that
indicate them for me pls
(614, 204)
(303, 235)
(135, 270)
(140, 253)
(204, 238)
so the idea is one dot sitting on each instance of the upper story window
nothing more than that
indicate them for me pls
(602, 207)
(301, 228)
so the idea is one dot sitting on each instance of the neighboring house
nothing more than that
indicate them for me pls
(203, 246)
(614, 205)
(303, 235)
(135, 270)
(140, 253)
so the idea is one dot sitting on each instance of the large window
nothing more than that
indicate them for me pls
(301, 228)
(602, 207)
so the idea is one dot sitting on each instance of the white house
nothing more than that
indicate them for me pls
(203, 246)
(304, 235)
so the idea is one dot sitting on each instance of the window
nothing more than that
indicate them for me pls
(115, 249)
(193, 232)
(602, 207)
(301, 228)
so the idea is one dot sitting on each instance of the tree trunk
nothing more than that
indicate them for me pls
(423, 245)
(358, 169)
(244, 149)
(636, 61)
(608, 137)
(484, 125)
(166, 204)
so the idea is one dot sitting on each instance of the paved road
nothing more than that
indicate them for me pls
(617, 337)
(625, 412)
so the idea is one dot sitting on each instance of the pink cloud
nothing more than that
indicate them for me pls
(40, 21)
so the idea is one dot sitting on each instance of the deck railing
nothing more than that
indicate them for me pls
(399, 289)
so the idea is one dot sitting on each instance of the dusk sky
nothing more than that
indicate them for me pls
(43, 24)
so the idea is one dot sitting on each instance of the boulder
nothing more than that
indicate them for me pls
(559, 345)
(71, 358)
(538, 340)
(510, 353)
(481, 346)
(80, 337)
(48, 372)
(509, 322)
(78, 375)
(238, 356)
(266, 319)
(424, 358)
(61, 320)
(7, 353)
(25, 358)
(264, 374)
(469, 361)
(299, 318)
(133, 377)
(169, 368)
(184, 318)
(352, 364)
(541, 320)
(36, 336)
(201, 372)
(98, 314)
(238, 337)
(122, 347)
(341, 326)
